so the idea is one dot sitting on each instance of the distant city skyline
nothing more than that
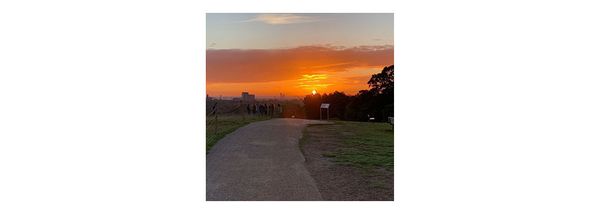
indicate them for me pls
(257, 97)
(294, 54)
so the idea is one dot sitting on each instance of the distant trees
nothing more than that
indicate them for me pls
(377, 102)
(338, 101)
(312, 105)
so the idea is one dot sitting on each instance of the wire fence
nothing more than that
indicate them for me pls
(221, 115)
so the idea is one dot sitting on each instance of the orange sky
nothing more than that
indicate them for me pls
(294, 71)
(294, 54)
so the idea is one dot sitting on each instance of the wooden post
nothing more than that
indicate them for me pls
(244, 111)
(216, 120)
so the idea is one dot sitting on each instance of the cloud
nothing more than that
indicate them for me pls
(280, 19)
(313, 81)
(263, 65)
(357, 79)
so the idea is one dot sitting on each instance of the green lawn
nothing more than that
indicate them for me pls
(365, 145)
(225, 125)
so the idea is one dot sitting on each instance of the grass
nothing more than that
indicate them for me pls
(365, 145)
(215, 131)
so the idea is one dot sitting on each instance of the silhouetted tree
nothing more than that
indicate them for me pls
(338, 101)
(312, 104)
(378, 101)
(383, 83)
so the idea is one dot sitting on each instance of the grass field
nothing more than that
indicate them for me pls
(364, 145)
(225, 125)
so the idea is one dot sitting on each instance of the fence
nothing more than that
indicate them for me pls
(224, 114)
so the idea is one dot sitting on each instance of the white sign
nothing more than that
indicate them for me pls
(324, 106)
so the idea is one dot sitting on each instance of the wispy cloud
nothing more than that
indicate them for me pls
(313, 81)
(281, 19)
(308, 62)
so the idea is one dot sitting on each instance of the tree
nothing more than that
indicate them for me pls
(383, 83)
(376, 102)
(361, 105)
(312, 103)
(338, 101)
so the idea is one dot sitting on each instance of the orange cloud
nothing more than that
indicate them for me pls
(350, 82)
(267, 65)
(313, 81)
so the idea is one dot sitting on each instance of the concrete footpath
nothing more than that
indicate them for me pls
(261, 161)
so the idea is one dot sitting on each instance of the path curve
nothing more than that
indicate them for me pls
(261, 161)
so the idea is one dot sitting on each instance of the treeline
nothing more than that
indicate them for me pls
(376, 102)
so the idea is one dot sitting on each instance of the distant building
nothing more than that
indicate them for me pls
(247, 97)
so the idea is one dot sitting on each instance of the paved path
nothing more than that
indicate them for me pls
(260, 161)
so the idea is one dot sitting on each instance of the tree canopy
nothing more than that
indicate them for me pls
(377, 101)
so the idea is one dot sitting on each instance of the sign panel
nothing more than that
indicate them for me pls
(324, 105)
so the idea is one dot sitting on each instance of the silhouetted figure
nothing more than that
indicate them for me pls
(248, 108)
(267, 112)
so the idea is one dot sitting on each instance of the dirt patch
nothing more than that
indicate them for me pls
(338, 181)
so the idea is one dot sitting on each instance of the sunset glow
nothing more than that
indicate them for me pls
(295, 54)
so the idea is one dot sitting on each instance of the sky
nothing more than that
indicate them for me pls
(294, 54)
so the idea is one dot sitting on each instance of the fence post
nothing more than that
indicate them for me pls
(216, 119)
(244, 111)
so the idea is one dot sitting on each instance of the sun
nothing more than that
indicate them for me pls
(314, 92)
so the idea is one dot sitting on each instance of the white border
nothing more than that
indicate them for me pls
(102, 106)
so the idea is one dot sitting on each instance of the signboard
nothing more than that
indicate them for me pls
(324, 106)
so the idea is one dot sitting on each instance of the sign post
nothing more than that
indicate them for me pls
(324, 106)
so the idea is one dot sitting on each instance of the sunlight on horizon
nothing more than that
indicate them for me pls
(348, 82)
(295, 54)
(313, 82)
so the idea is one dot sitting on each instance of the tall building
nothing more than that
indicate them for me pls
(247, 97)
